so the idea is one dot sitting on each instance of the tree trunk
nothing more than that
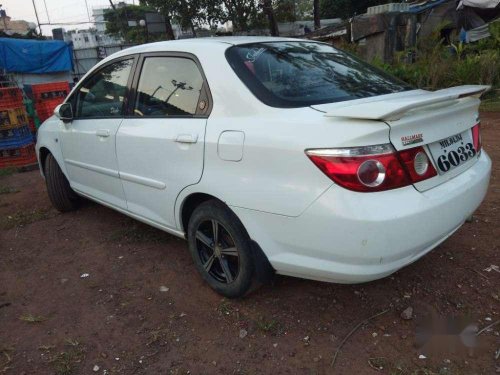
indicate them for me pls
(170, 30)
(192, 28)
(269, 12)
(317, 22)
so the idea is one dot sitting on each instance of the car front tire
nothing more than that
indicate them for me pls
(221, 249)
(62, 197)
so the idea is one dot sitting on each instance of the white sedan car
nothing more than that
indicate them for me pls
(270, 155)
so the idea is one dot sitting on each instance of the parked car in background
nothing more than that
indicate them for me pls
(270, 155)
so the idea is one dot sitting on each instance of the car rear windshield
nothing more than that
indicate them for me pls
(297, 74)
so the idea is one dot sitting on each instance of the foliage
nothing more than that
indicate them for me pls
(22, 218)
(244, 14)
(190, 14)
(117, 22)
(438, 65)
(7, 171)
(293, 10)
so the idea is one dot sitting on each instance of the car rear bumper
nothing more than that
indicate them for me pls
(350, 237)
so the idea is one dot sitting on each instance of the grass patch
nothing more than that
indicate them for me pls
(156, 335)
(29, 318)
(490, 104)
(138, 233)
(271, 326)
(23, 218)
(46, 348)
(7, 190)
(225, 308)
(66, 362)
(5, 358)
(7, 172)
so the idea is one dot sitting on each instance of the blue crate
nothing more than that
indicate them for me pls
(15, 138)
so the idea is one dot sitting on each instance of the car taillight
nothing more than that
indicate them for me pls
(476, 137)
(417, 164)
(373, 168)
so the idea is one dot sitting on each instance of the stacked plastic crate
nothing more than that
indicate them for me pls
(33, 120)
(47, 96)
(16, 141)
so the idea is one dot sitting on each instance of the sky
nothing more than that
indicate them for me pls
(58, 11)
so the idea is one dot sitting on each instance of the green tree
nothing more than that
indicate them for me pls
(316, 14)
(267, 8)
(244, 14)
(345, 8)
(117, 23)
(165, 8)
(303, 9)
(190, 14)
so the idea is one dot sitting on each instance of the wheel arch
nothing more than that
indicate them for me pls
(43, 152)
(189, 204)
(264, 269)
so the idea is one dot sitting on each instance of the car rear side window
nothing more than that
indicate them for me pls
(103, 94)
(297, 74)
(168, 86)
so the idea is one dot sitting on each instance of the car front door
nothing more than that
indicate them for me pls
(88, 141)
(160, 143)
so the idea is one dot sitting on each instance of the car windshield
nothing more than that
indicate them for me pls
(296, 74)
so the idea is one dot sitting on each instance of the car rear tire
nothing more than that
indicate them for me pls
(221, 249)
(61, 195)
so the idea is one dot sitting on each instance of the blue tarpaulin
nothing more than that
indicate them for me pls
(420, 7)
(35, 56)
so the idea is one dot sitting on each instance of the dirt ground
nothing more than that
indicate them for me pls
(142, 309)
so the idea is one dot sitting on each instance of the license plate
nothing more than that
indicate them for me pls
(451, 152)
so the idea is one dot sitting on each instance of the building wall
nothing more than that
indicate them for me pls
(14, 27)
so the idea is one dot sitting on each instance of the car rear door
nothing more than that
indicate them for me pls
(160, 143)
(88, 141)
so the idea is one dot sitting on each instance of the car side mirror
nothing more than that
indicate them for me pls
(64, 112)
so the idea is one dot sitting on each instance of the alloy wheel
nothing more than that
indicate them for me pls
(217, 251)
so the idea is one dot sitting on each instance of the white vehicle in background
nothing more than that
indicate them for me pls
(270, 155)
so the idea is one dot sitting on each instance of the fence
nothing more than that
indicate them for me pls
(84, 59)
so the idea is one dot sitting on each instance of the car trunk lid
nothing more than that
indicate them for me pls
(440, 121)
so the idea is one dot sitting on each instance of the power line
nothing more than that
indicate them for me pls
(70, 23)
(37, 20)
(46, 11)
(86, 7)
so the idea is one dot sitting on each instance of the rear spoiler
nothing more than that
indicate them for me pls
(395, 108)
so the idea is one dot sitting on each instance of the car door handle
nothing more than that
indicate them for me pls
(104, 133)
(186, 138)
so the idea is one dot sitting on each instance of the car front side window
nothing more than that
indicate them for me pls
(168, 87)
(103, 94)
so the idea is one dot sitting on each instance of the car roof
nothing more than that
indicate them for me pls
(197, 43)
(233, 40)
(195, 46)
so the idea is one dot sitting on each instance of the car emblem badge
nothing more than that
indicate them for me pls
(412, 139)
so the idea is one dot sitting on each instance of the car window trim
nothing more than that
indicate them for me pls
(73, 98)
(204, 95)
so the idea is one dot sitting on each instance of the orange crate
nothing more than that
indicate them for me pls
(48, 91)
(46, 109)
(31, 125)
(11, 97)
(13, 118)
(44, 113)
(18, 157)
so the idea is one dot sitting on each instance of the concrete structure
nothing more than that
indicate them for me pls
(83, 38)
(10, 27)
(90, 38)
